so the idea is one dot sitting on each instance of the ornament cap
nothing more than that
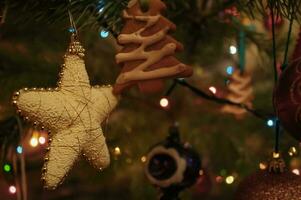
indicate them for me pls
(174, 135)
(276, 164)
(75, 47)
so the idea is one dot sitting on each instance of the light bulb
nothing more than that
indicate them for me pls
(42, 140)
(276, 155)
(104, 33)
(71, 30)
(296, 171)
(7, 168)
(230, 180)
(292, 151)
(143, 159)
(164, 102)
(262, 166)
(232, 49)
(229, 70)
(213, 89)
(117, 151)
(270, 123)
(12, 189)
(19, 150)
(100, 10)
(34, 142)
(100, 6)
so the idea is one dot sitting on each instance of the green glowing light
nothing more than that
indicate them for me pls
(7, 168)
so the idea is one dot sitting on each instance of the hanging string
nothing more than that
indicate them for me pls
(277, 135)
(219, 100)
(72, 22)
(291, 20)
(277, 132)
(171, 88)
(274, 45)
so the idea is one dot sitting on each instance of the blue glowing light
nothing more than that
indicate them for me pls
(104, 33)
(71, 30)
(19, 149)
(229, 70)
(100, 10)
(100, 6)
(270, 122)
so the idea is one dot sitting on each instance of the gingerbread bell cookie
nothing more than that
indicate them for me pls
(147, 54)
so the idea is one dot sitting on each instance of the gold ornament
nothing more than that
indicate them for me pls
(264, 185)
(272, 183)
(73, 112)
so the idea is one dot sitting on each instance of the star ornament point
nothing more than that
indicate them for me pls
(73, 112)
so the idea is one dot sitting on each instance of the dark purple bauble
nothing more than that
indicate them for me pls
(287, 95)
(171, 164)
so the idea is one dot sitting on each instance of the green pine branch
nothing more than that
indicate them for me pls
(107, 14)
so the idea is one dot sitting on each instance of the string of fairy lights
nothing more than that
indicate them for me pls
(270, 120)
(224, 176)
(37, 140)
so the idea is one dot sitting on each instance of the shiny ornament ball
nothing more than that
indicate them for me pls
(264, 185)
(172, 164)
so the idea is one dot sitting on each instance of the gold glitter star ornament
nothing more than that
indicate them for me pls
(73, 113)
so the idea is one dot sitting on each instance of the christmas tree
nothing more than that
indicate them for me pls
(177, 139)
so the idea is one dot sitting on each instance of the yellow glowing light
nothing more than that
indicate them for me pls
(296, 171)
(34, 142)
(143, 159)
(230, 179)
(262, 166)
(164, 102)
(292, 151)
(201, 172)
(117, 151)
(42, 140)
(276, 155)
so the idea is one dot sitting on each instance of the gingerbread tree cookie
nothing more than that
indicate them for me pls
(148, 51)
